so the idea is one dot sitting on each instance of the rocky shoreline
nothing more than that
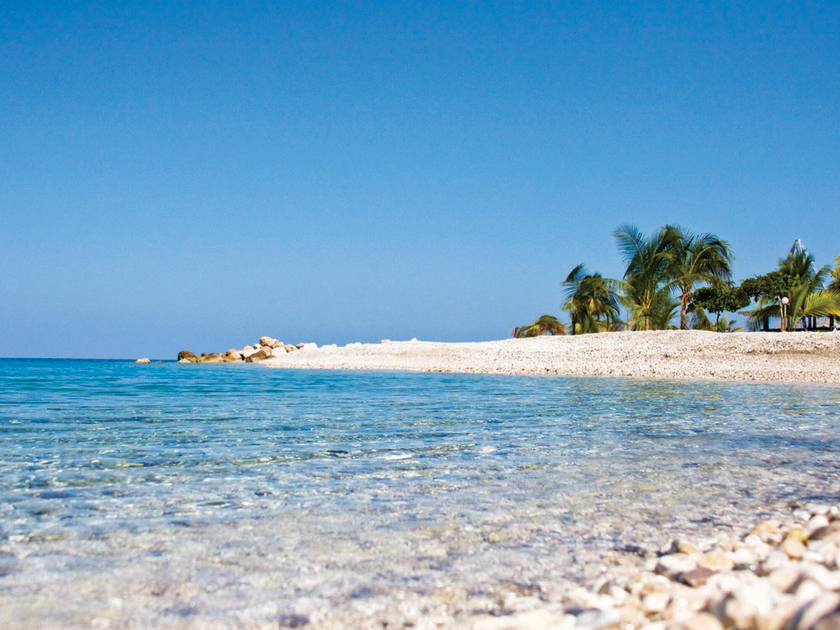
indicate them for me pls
(266, 348)
(683, 354)
(687, 354)
(777, 576)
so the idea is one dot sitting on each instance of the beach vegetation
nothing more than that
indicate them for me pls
(721, 323)
(675, 274)
(662, 311)
(544, 325)
(592, 302)
(648, 282)
(835, 277)
(694, 259)
(834, 287)
(720, 296)
(793, 293)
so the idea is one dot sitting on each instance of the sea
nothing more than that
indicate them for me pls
(170, 495)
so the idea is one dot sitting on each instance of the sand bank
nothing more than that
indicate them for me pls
(790, 357)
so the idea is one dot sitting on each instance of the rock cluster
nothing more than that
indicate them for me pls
(777, 577)
(267, 348)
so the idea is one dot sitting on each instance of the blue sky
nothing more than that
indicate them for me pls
(195, 175)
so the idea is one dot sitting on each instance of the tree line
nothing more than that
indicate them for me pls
(677, 275)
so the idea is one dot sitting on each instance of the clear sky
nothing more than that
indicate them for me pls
(192, 175)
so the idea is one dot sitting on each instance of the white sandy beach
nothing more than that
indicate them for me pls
(754, 356)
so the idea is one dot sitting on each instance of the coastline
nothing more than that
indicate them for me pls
(811, 357)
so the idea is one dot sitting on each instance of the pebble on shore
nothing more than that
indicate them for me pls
(778, 576)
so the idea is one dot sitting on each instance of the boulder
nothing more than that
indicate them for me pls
(259, 355)
(247, 351)
(213, 357)
(144, 360)
(270, 342)
(233, 355)
(186, 355)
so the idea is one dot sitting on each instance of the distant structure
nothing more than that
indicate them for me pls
(798, 248)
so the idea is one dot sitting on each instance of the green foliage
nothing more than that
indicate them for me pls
(662, 309)
(702, 322)
(695, 259)
(719, 297)
(545, 325)
(591, 301)
(800, 283)
(768, 286)
(647, 279)
(835, 277)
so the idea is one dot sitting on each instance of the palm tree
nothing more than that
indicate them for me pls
(800, 267)
(663, 309)
(834, 287)
(695, 258)
(591, 301)
(835, 277)
(647, 279)
(808, 305)
(803, 303)
(721, 324)
(545, 325)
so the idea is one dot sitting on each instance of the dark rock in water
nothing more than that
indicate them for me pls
(186, 355)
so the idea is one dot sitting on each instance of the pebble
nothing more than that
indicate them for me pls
(778, 576)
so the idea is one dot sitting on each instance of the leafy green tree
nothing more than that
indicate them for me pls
(591, 301)
(694, 259)
(545, 325)
(768, 286)
(647, 282)
(719, 297)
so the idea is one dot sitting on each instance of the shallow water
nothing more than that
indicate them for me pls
(168, 495)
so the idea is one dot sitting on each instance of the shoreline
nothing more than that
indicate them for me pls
(807, 357)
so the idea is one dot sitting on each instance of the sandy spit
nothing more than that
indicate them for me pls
(691, 354)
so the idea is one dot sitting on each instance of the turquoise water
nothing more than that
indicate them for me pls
(171, 495)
